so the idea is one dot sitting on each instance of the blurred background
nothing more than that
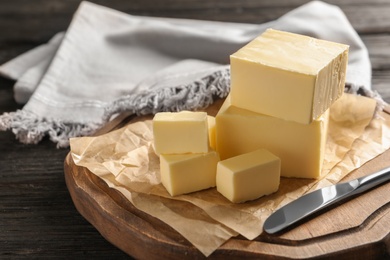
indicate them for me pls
(28, 23)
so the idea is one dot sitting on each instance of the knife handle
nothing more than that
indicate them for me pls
(372, 180)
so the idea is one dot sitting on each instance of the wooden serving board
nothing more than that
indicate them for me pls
(358, 229)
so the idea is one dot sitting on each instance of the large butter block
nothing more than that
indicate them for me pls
(186, 173)
(289, 76)
(300, 147)
(248, 176)
(180, 132)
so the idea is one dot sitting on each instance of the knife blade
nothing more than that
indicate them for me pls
(320, 199)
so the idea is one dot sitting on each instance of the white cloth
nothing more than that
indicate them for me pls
(108, 62)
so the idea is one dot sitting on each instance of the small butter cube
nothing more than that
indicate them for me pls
(211, 123)
(289, 76)
(185, 173)
(180, 132)
(301, 147)
(248, 176)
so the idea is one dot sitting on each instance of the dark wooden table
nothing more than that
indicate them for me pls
(37, 216)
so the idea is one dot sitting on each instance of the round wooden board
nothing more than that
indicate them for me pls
(358, 229)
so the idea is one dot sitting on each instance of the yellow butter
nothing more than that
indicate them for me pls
(211, 125)
(248, 176)
(289, 76)
(180, 132)
(186, 173)
(300, 147)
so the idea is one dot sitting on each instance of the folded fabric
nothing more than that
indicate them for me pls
(108, 62)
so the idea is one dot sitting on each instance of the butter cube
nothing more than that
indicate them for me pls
(248, 176)
(211, 124)
(186, 173)
(300, 147)
(289, 76)
(180, 132)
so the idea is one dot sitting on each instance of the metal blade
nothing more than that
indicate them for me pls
(320, 199)
(308, 204)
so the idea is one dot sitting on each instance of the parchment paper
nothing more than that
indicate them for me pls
(126, 161)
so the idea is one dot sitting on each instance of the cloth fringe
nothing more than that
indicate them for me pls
(362, 91)
(197, 95)
(30, 128)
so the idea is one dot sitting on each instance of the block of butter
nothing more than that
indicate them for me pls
(289, 76)
(186, 173)
(300, 147)
(211, 125)
(248, 176)
(180, 132)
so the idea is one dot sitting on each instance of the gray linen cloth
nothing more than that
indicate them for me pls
(108, 62)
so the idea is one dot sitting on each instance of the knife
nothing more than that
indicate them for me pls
(317, 200)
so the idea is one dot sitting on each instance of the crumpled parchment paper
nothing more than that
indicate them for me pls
(126, 161)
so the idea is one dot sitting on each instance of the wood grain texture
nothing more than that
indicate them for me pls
(40, 19)
(37, 216)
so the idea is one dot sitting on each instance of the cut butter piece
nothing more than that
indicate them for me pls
(300, 147)
(248, 176)
(289, 76)
(180, 132)
(186, 173)
(211, 125)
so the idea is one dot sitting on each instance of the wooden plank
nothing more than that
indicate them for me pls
(38, 20)
(378, 46)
